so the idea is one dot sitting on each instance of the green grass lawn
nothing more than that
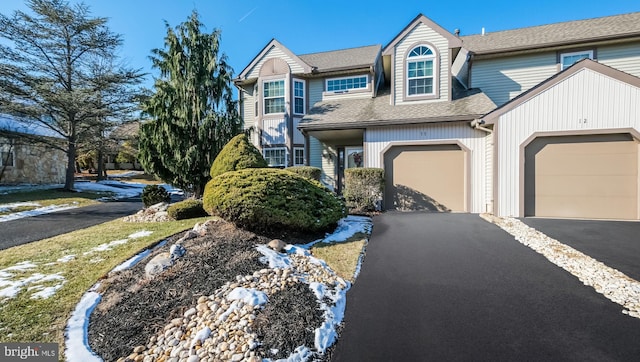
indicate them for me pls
(342, 257)
(23, 319)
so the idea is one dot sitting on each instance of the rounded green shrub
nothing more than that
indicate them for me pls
(237, 154)
(186, 209)
(272, 199)
(310, 172)
(153, 194)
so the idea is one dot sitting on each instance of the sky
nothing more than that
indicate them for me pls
(308, 26)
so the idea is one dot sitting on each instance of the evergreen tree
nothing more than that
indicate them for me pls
(58, 71)
(193, 114)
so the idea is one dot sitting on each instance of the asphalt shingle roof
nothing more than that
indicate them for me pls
(617, 26)
(364, 112)
(342, 59)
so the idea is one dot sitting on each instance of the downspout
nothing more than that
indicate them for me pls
(478, 124)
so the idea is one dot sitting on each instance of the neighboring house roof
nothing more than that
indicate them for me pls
(492, 116)
(572, 32)
(126, 131)
(365, 112)
(454, 41)
(359, 57)
(9, 124)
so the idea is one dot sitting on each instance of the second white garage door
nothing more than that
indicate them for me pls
(425, 178)
(582, 177)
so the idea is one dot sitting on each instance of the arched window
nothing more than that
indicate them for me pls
(421, 71)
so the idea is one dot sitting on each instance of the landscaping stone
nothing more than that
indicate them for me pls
(154, 213)
(157, 265)
(277, 245)
(220, 326)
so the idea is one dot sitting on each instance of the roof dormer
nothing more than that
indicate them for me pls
(418, 62)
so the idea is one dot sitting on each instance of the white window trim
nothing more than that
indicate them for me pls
(264, 99)
(256, 100)
(433, 57)
(304, 96)
(365, 89)
(264, 150)
(13, 158)
(304, 159)
(570, 54)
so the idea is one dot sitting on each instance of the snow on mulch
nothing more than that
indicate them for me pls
(331, 298)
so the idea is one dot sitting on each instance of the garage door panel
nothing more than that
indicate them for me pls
(425, 177)
(583, 164)
(607, 207)
(585, 186)
(593, 176)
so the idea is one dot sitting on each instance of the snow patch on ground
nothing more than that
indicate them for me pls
(140, 234)
(77, 331)
(112, 244)
(36, 212)
(11, 285)
(77, 339)
(248, 296)
(273, 258)
(15, 205)
(66, 258)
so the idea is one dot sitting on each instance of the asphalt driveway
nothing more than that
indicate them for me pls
(615, 243)
(437, 287)
(25, 230)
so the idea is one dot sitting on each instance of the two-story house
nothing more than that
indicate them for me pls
(538, 121)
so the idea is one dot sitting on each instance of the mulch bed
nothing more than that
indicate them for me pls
(133, 308)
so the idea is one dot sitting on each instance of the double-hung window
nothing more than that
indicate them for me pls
(298, 96)
(275, 157)
(421, 71)
(568, 59)
(298, 156)
(273, 96)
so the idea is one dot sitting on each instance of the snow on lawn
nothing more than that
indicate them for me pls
(347, 227)
(112, 244)
(11, 284)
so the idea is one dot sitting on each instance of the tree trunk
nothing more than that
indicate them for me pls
(101, 171)
(71, 166)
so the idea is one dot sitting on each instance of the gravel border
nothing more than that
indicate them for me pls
(613, 284)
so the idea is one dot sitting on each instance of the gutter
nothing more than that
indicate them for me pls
(478, 124)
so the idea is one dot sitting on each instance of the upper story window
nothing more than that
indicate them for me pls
(345, 84)
(273, 96)
(568, 59)
(421, 71)
(298, 96)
